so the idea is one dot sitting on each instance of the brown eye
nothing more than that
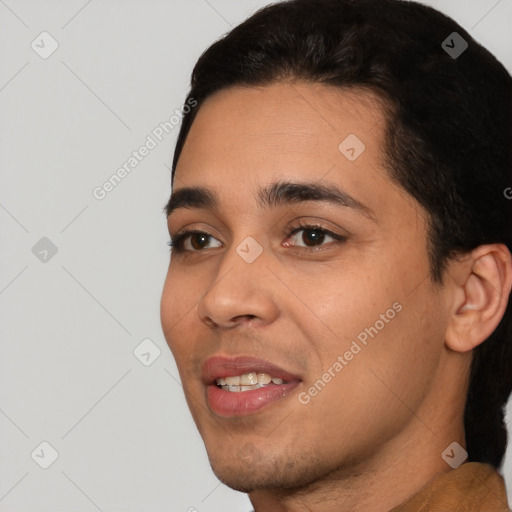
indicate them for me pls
(199, 240)
(193, 241)
(312, 236)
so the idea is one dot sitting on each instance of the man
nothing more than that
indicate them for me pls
(337, 296)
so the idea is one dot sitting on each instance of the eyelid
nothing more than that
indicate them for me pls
(178, 240)
(305, 225)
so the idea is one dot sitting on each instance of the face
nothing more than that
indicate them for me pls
(301, 267)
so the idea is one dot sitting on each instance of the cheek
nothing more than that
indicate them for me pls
(386, 372)
(176, 306)
(390, 342)
(168, 303)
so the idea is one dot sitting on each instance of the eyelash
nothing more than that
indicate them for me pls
(176, 243)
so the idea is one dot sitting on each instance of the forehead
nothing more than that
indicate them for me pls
(250, 133)
(246, 138)
(283, 122)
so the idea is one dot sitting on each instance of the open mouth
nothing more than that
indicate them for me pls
(244, 385)
(248, 381)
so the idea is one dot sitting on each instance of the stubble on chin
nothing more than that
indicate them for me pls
(251, 470)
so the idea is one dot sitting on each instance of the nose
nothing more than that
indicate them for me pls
(240, 292)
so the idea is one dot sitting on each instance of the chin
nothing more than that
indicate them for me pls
(241, 482)
(251, 471)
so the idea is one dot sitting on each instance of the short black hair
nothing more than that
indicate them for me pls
(448, 135)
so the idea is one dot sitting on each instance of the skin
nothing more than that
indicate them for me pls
(373, 436)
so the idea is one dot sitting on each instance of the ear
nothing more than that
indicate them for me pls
(482, 282)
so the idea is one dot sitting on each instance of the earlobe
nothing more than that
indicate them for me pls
(485, 281)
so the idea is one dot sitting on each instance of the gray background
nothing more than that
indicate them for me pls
(71, 320)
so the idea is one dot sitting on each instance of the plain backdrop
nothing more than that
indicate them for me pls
(88, 386)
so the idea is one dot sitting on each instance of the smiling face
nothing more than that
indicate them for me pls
(307, 263)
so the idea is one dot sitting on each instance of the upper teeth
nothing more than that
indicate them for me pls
(249, 379)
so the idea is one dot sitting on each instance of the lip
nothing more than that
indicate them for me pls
(229, 404)
(219, 367)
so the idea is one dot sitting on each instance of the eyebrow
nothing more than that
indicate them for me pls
(275, 194)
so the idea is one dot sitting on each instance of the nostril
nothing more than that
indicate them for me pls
(243, 318)
(210, 323)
